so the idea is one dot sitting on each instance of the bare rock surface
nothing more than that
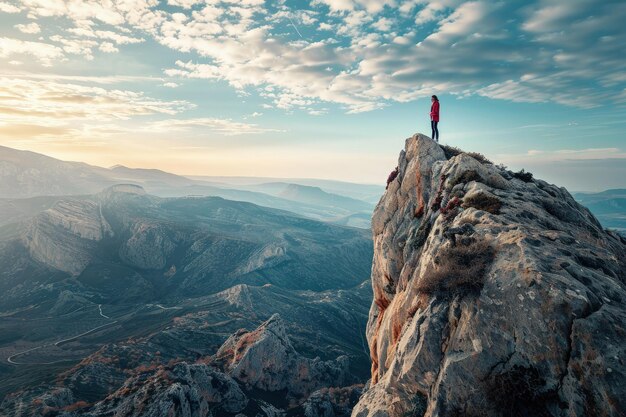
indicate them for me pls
(265, 359)
(64, 235)
(495, 294)
(185, 390)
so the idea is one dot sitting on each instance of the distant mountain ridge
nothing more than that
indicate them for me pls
(25, 174)
(609, 206)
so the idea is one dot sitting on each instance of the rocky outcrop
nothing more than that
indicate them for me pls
(37, 402)
(256, 373)
(182, 390)
(64, 236)
(494, 294)
(265, 359)
(330, 402)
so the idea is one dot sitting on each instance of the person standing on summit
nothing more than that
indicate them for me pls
(434, 117)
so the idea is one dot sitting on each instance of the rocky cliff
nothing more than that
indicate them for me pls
(64, 235)
(495, 294)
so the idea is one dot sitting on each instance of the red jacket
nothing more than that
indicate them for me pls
(434, 111)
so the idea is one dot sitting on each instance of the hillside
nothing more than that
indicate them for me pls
(123, 245)
(83, 271)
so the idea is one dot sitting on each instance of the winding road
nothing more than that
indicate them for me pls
(11, 358)
(57, 343)
(101, 313)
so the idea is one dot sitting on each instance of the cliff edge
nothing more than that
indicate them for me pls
(495, 294)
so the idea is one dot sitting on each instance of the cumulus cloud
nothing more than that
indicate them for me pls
(45, 53)
(364, 54)
(108, 47)
(29, 28)
(8, 8)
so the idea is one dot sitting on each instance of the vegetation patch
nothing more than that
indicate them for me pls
(439, 197)
(479, 157)
(76, 406)
(451, 151)
(484, 202)
(523, 175)
(449, 208)
(467, 176)
(459, 270)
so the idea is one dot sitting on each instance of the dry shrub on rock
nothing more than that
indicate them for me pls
(484, 202)
(461, 269)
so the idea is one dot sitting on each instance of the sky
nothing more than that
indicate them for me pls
(317, 88)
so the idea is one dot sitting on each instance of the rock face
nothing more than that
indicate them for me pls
(494, 294)
(265, 359)
(64, 235)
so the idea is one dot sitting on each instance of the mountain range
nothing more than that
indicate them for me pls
(608, 206)
(122, 274)
(25, 174)
(131, 296)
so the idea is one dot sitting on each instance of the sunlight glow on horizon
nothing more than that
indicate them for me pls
(325, 90)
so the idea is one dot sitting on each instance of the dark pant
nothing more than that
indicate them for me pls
(433, 126)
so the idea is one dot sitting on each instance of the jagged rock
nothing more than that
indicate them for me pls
(331, 402)
(265, 359)
(181, 391)
(238, 295)
(318, 405)
(520, 315)
(36, 402)
(266, 257)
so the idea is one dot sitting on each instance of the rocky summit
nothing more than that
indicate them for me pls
(495, 294)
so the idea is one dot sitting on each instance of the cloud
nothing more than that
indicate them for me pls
(104, 34)
(43, 52)
(76, 46)
(8, 8)
(226, 127)
(379, 51)
(81, 79)
(186, 4)
(544, 156)
(19, 131)
(108, 47)
(29, 28)
(32, 107)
